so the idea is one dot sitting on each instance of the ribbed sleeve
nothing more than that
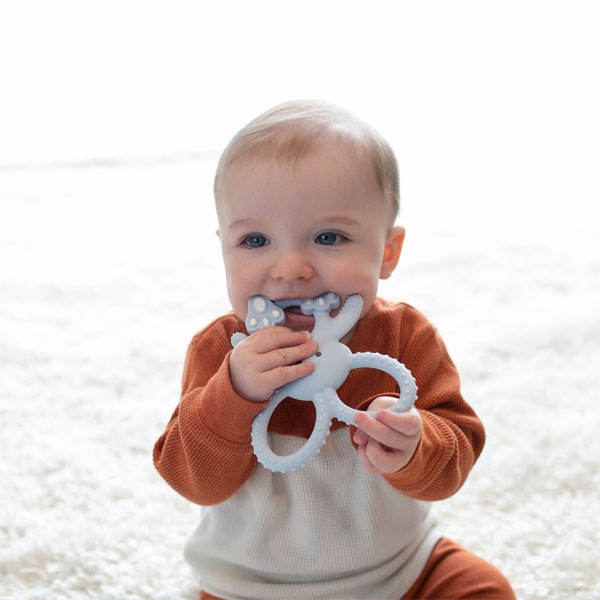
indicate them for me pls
(205, 452)
(453, 436)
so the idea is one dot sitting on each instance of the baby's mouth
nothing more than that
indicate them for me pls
(296, 319)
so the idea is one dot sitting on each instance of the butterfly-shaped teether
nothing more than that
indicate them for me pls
(332, 364)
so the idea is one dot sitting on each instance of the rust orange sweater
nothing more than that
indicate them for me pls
(205, 453)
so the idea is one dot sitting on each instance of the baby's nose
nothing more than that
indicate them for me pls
(291, 266)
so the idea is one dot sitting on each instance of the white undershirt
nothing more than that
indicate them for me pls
(329, 530)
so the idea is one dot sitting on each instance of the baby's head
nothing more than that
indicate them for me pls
(290, 131)
(306, 196)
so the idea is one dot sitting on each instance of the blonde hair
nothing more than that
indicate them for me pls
(291, 130)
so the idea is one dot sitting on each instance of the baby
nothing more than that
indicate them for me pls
(306, 197)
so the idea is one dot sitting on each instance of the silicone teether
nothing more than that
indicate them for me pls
(332, 363)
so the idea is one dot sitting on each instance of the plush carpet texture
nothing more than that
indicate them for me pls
(107, 271)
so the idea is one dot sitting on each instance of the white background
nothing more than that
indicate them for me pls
(461, 89)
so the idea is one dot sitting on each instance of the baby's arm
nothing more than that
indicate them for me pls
(449, 437)
(205, 453)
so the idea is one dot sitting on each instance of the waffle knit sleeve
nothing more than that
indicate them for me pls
(453, 436)
(205, 452)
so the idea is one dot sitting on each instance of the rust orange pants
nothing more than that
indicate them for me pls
(452, 573)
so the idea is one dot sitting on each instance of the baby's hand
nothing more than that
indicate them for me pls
(266, 360)
(386, 442)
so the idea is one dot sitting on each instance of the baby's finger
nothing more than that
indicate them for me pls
(271, 338)
(382, 402)
(287, 356)
(365, 461)
(381, 458)
(407, 423)
(279, 376)
(360, 437)
(379, 431)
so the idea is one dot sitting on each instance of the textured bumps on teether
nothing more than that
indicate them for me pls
(263, 313)
(326, 302)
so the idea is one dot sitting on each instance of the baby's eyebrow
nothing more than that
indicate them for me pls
(327, 221)
(341, 220)
(241, 222)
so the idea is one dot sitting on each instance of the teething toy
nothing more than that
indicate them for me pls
(333, 362)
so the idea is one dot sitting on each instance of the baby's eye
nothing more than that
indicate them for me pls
(329, 238)
(256, 241)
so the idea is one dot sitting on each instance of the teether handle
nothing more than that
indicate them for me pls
(309, 450)
(404, 379)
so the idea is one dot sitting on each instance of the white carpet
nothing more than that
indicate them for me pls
(105, 274)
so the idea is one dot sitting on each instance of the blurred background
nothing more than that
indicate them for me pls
(462, 89)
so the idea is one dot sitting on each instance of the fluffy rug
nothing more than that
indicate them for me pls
(107, 271)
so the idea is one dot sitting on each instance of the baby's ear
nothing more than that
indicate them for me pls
(391, 251)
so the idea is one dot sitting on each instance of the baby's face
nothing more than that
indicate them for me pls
(297, 231)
